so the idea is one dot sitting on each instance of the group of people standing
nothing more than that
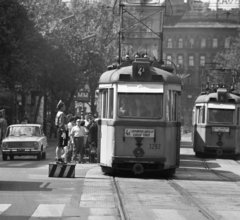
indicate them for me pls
(74, 135)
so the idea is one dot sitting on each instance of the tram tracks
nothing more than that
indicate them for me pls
(217, 173)
(202, 208)
(208, 214)
(118, 198)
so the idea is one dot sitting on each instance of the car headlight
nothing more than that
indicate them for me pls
(36, 145)
(4, 146)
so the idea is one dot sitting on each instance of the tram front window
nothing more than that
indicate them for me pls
(220, 116)
(132, 105)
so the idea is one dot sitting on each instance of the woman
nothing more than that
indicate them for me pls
(77, 137)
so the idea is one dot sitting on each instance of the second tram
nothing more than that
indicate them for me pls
(139, 125)
(216, 124)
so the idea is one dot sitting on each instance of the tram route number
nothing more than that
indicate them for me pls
(154, 146)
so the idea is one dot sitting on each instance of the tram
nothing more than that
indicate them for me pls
(139, 121)
(216, 122)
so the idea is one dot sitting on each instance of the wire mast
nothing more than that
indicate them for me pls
(144, 34)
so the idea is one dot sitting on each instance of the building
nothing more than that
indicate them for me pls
(192, 42)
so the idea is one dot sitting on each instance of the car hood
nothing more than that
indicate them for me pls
(21, 139)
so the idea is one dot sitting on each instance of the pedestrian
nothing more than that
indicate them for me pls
(71, 124)
(85, 138)
(77, 137)
(87, 120)
(93, 132)
(61, 125)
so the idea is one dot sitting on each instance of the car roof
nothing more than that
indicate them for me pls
(25, 125)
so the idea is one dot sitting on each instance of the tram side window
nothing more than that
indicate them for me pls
(172, 106)
(104, 103)
(107, 103)
(110, 112)
(201, 117)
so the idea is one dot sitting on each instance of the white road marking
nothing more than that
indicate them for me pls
(4, 207)
(49, 210)
(4, 162)
(20, 164)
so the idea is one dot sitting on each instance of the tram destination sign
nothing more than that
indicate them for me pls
(145, 133)
(220, 129)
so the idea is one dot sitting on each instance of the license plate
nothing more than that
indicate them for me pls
(220, 129)
(20, 149)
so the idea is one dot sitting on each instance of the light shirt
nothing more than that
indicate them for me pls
(70, 126)
(77, 131)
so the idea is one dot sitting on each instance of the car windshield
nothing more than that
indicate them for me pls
(220, 116)
(24, 131)
(144, 105)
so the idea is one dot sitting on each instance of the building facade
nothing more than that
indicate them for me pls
(192, 42)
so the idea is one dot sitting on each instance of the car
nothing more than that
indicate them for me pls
(24, 139)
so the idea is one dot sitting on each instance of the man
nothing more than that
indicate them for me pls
(61, 124)
(77, 137)
(93, 133)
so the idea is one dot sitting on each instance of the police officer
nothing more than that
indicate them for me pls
(62, 134)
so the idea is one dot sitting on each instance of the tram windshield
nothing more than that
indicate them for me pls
(220, 116)
(144, 105)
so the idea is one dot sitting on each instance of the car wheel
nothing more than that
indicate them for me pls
(44, 155)
(4, 156)
(11, 157)
(39, 156)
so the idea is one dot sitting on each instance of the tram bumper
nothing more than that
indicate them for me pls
(138, 165)
(214, 150)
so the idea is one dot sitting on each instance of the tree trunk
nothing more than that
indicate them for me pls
(37, 108)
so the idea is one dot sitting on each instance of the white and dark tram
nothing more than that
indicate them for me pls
(139, 125)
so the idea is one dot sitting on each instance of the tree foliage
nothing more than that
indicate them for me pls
(41, 52)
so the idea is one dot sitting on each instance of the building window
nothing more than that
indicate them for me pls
(169, 59)
(169, 43)
(180, 43)
(180, 61)
(191, 43)
(227, 43)
(215, 43)
(191, 60)
(202, 60)
(203, 42)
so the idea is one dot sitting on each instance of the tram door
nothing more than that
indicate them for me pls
(106, 128)
(199, 138)
(172, 131)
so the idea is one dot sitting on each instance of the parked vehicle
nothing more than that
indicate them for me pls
(24, 139)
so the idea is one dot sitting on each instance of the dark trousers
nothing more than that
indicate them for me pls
(78, 148)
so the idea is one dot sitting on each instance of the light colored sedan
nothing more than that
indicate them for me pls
(24, 139)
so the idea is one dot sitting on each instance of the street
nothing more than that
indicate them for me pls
(26, 191)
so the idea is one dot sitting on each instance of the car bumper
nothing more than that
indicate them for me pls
(21, 152)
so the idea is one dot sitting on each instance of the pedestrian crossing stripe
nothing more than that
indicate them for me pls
(49, 210)
(4, 207)
(19, 164)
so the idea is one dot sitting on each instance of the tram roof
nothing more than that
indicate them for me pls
(211, 97)
(112, 76)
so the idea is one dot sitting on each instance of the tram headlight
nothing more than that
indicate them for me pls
(4, 145)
